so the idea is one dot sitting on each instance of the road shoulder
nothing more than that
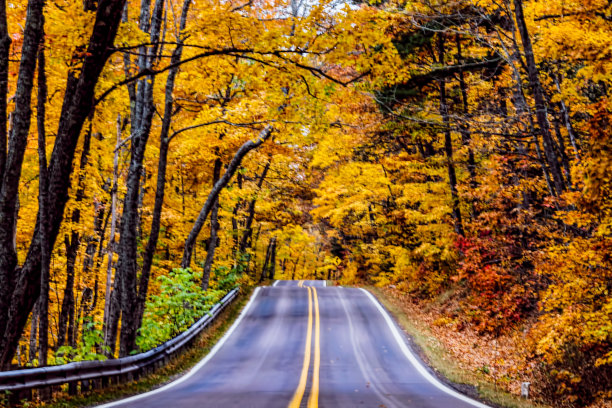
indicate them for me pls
(434, 356)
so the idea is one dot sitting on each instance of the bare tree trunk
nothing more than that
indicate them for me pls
(214, 228)
(45, 252)
(264, 268)
(72, 247)
(141, 118)
(448, 143)
(212, 196)
(17, 299)
(465, 132)
(5, 46)
(568, 123)
(248, 227)
(538, 94)
(272, 266)
(33, 350)
(164, 142)
(111, 320)
(9, 185)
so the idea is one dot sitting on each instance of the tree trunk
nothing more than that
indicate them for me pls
(72, 247)
(212, 196)
(272, 266)
(164, 142)
(141, 118)
(9, 185)
(448, 143)
(16, 304)
(248, 227)
(110, 325)
(465, 132)
(568, 123)
(5, 46)
(264, 268)
(538, 94)
(33, 350)
(45, 252)
(214, 228)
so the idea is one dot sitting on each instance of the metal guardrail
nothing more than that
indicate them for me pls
(120, 369)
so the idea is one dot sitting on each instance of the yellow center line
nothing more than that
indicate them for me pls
(301, 285)
(313, 401)
(299, 392)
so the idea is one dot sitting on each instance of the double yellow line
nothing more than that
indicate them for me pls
(313, 400)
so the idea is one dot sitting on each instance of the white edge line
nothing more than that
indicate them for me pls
(191, 372)
(324, 283)
(419, 367)
(275, 283)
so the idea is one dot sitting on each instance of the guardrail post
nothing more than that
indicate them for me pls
(72, 388)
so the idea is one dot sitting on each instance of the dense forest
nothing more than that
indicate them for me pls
(154, 154)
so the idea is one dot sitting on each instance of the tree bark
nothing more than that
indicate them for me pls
(9, 185)
(17, 303)
(212, 196)
(72, 246)
(33, 350)
(214, 228)
(111, 313)
(465, 132)
(538, 94)
(248, 226)
(141, 118)
(448, 144)
(272, 266)
(164, 143)
(5, 46)
(264, 268)
(45, 252)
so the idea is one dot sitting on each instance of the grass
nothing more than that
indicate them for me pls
(437, 357)
(177, 367)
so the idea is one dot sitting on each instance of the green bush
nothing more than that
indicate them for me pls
(179, 305)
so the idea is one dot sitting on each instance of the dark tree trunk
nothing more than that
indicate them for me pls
(5, 46)
(214, 228)
(264, 268)
(465, 132)
(538, 94)
(248, 226)
(43, 199)
(448, 144)
(16, 304)
(272, 266)
(212, 196)
(33, 350)
(18, 139)
(72, 248)
(141, 118)
(164, 142)
(212, 244)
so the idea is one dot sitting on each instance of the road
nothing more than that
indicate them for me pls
(301, 344)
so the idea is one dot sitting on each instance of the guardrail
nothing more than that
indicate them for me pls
(98, 374)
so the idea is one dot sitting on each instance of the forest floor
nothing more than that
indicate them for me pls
(172, 371)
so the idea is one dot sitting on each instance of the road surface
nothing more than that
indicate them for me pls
(301, 344)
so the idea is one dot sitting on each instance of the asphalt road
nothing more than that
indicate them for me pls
(301, 344)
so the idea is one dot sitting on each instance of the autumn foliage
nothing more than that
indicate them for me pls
(458, 151)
